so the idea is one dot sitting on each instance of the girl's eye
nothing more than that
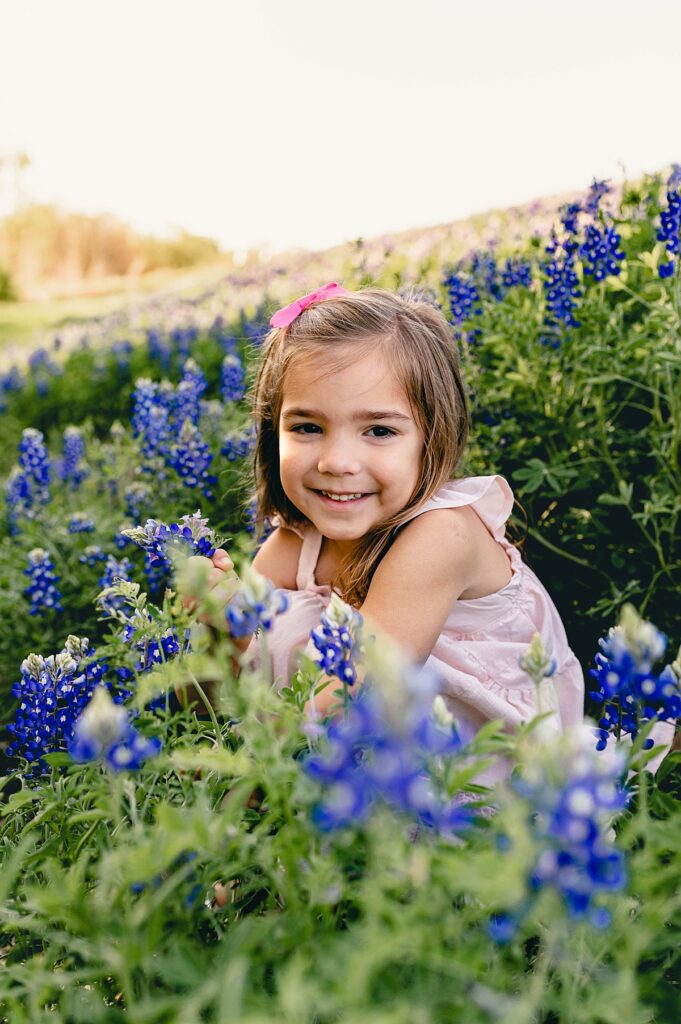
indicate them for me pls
(304, 428)
(388, 431)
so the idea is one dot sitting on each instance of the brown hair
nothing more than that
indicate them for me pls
(417, 341)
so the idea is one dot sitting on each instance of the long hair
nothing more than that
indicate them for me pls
(416, 341)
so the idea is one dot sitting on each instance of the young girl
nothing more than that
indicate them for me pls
(361, 423)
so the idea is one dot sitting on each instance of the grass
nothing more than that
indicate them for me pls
(23, 325)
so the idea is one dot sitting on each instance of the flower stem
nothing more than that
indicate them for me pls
(208, 706)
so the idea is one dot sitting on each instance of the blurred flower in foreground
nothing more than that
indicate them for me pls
(628, 689)
(337, 640)
(388, 747)
(571, 794)
(103, 732)
(256, 604)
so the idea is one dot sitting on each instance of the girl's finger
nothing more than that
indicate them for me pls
(222, 560)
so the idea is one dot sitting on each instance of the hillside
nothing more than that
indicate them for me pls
(201, 293)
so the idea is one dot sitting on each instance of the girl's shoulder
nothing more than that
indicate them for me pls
(490, 497)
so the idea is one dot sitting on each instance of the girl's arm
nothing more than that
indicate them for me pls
(431, 562)
(278, 557)
(277, 560)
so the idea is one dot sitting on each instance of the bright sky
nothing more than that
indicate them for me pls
(285, 123)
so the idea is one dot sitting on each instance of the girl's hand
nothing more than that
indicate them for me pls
(211, 582)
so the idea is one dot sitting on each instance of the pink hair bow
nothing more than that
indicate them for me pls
(284, 317)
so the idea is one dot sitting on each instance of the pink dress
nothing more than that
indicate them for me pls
(477, 654)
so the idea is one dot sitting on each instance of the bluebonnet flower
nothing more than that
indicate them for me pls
(151, 415)
(571, 794)
(78, 523)
(674, 180)
(190, 457)
(158, 348)
(35, 462)
(484, 271)
(597, 190)
(42, 367)
(191, 536)
(188, 394)
(121, 350)
(237, 445)
(560, 285)
(136, 496)
(251, 523)
(670, 226)
(389, 751)
(10, 381)
(537, 662)
(42, 587)
(182, 339)
(517, 272)
(52, 692)
(219, 332)
(600, 251)
(120, 541)
(463, 297)
(104, 732)
(256, 328)
(256, 604)
(72, 469)
(569, 217)
(114, 569)
(233, 379)
(152, 651)
(629, 691)
(18, 497)
(337, 640)
(92, 554)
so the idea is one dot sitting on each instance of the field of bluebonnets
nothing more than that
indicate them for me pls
(172, 864)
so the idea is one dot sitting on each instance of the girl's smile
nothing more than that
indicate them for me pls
(349, 446)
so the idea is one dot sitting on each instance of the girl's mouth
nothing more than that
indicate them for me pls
(340, 501)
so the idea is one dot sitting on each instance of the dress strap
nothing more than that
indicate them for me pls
(309, 555)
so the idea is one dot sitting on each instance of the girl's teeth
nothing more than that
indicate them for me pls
(338, 497)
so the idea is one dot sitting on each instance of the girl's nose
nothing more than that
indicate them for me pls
(338, 460)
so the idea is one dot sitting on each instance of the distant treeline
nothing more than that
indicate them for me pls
(41, 243)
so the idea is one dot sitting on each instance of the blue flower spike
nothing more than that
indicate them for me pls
(255, 605)
(571, 794)
(629, 690)
(337, 640)
(103, 732)
(42, 588)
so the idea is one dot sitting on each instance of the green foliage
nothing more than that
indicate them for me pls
(109, 909)
(7, 292)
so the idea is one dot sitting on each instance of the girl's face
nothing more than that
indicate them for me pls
(349, 446)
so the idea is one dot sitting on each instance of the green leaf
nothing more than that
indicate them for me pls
(58, 759)
(20, 799)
